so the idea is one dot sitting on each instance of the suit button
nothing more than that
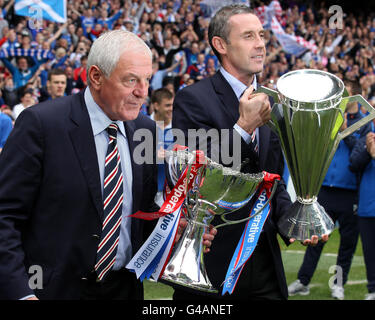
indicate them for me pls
(96, 236)
(84, 279)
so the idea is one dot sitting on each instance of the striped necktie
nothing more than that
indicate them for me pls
(113, 198)
(254, 141)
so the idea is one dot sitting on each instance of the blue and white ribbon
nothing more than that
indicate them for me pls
(247, 243)
(150, 259)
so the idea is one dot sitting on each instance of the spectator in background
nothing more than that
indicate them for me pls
(70, 82)
(27, 100)
(6, 127)
(80, 74)
(192, 53)
(87, 20)
(25, 40)
(189, 36)
(8, 111)
(61, 58)
(22, 72)
(108, 22)
(211, 60)
(12, 42)
(4, 9)
(162, 105)
(363, 162)
(56, 85)
(75, 57)
(159, 75)
(170, 84)
(70, 35)
(183, 81)
(197, 70)
(9, 92)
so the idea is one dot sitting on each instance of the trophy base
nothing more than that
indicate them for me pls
(183, 281)
(303, 220)
(186, 266)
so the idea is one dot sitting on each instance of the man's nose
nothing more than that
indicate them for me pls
(260, 42)
(142, 89)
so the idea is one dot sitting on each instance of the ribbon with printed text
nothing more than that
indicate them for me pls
(150, 260)
(251, 233)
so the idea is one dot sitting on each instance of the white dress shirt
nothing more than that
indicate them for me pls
(238, 88)
(100, 122)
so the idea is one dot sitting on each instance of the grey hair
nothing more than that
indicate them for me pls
(219, 25)
(106, 51)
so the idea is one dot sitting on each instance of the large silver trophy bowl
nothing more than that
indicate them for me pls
(216, 190)
(307, 116)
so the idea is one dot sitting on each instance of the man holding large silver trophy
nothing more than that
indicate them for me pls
(246, 193)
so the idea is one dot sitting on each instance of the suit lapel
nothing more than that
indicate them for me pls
(230, 103)
(130, 128)
(227, 96)
(82, 138)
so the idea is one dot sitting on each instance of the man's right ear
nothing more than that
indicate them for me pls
(96, 76)
(219, 44)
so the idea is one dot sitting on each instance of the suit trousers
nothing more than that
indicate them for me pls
(367, 230)
(117, 285)
(257, 281)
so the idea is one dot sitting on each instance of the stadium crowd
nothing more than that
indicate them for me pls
(177, 33)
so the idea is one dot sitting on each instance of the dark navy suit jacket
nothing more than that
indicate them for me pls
(211, 103)
(50, 198)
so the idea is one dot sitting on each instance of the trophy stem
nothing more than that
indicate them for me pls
(305, 218)
(186, 266)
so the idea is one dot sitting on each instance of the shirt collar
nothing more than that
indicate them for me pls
(99, 120)
(237, 86)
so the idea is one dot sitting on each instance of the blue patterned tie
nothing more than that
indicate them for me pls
(113, 197)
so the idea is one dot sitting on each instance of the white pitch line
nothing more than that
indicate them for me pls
(349, 282)
(303, 252)
(354, 282)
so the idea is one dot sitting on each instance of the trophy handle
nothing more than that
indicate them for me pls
(275, 95)
(230, 222)
(363, 121)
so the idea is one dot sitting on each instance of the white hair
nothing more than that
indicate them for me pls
(106, 51)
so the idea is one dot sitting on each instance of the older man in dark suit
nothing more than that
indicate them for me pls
(54, 177)
(71, 176)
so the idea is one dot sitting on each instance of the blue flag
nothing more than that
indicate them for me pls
(52, 10)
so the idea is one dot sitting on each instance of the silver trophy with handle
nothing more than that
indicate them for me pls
(216, 190)
(307, 116)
